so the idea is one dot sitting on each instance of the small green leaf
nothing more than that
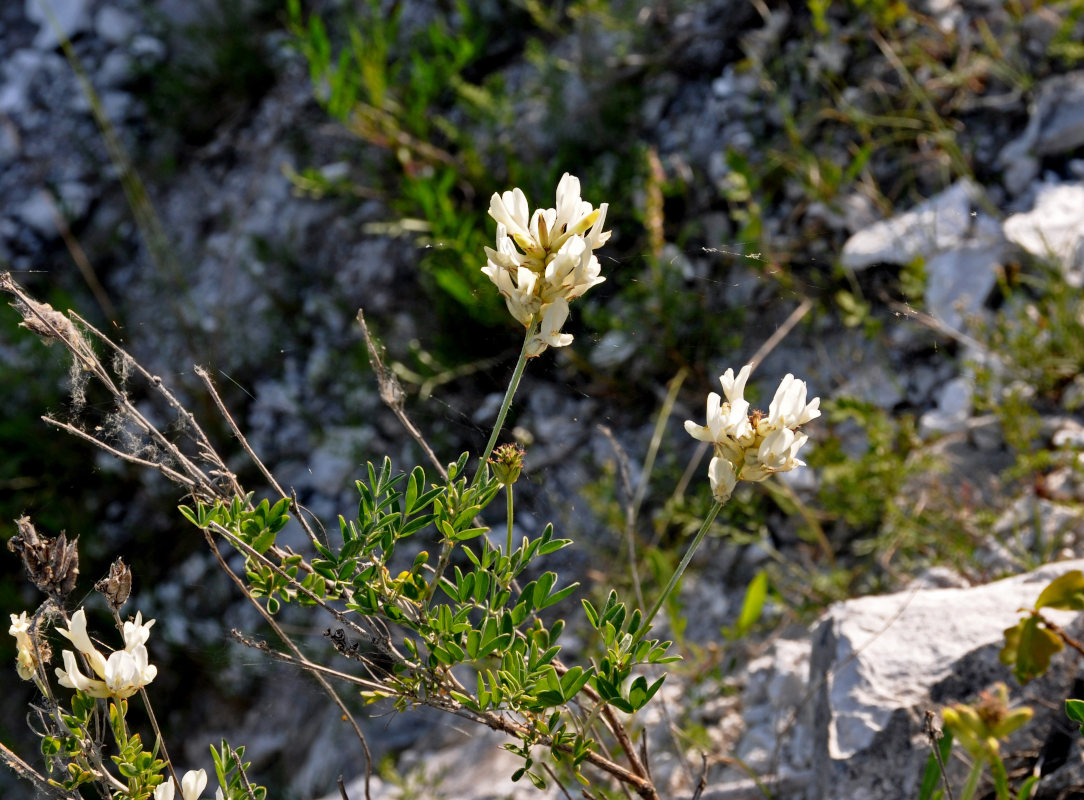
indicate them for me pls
(1065, 592)
(262, 542)
(469, 533)
(1074, 709)
(1028, 648)
(751, 608)
(558, 596)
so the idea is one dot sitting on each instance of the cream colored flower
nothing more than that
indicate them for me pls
(26, 662)
(192, 785)
(752, 446)
(545, 260)
(120, 675)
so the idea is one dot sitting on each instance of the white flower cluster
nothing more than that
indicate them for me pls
(546, 260)
(122, 674)
(192, 785)
(752, 446)
(26, 663)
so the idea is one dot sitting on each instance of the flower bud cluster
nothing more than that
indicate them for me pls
(544, 261)
(752, 446)
(120, 675)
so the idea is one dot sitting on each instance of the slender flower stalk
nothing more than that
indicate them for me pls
(672, 584)
(508, 496)
(507, 463)
(506, 403)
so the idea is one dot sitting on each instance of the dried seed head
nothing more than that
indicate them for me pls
(47, 322)
(117, 585)
(51, 564)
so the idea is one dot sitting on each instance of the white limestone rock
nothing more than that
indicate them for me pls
(879, 662)
(1054, 228)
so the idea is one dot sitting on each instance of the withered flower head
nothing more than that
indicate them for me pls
(51, 564)
(46, 322)
(117, 585)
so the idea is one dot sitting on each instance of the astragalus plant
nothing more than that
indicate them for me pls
(465, 626)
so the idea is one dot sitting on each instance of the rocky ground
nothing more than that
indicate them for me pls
(223, 262)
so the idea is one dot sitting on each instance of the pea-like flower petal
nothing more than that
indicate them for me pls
(193, 783)
(137, 632)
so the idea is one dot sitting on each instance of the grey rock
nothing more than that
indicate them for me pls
(73, 200)
(440, 771)
(952, 412)
(70, 17)
(613, 349)
(875, 384)
(959, 281)
(10, 141)
(942, 223)
(1061, 113)
(20, 70)
(115, 70)
(1055, 125)
(116, 105)
(879, 662)
(778, 733)
(1054, 228)
(147, 49)
(114, 26)
(1035, 527)
(38, 213)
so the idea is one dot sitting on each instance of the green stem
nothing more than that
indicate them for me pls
(508, 494)
(506, 403)
(646, 625)
(972, 780)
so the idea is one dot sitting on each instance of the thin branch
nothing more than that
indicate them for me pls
(207, 450)
(392, 395)
(311, 666)
(173, 475)
(24, 770)
(702, 784)
(286, 640)
(202, 374)
(781, 332)
(556, 780)
(934, 734)
(248, 551)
